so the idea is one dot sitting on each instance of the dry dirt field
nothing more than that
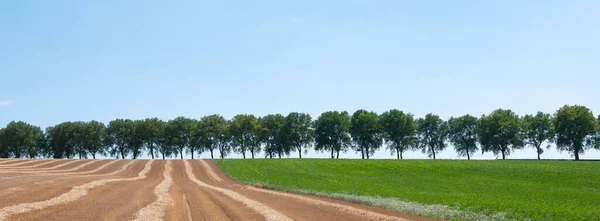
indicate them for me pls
(155, 190)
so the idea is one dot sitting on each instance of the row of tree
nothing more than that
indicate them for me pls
(572, 128)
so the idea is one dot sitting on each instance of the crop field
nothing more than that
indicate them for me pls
(445, 189)
(156, 190)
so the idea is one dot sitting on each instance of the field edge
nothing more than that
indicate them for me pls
(434, 211)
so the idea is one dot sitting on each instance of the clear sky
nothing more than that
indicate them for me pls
(105, 59)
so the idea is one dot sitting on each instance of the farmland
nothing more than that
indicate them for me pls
(64, 189)
(537, 190)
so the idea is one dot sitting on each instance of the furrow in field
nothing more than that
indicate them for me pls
(211, 173)
(62, 164)
(267, 212)
(44, 162)
(188, 210)
(194, 203)
(36, 164)
(42, 187)
(101, 167)
(20, 162)
(55, 168)
(111, 201)
(74, 194)
(156, 210)
(14, 160)
(81, 171)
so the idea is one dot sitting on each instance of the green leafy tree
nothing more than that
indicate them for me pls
(297, 132)
(463, 135)
(273, 136)
(95, 135)
(224, 139)
(4, 152)
(118, 133)
(574, 126)
(165, 145)
(210, 133)
(61, 140)
(431, 134)
(151, 130)
(366, 132)
(180, 131)
(500, 132)
(537, 129)
(21, 139)
(399, 131)
(78, 133)
(245, 133)
(332, 132)
(135, 139)
(198, 138)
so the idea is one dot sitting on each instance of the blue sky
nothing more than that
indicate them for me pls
(100, 60)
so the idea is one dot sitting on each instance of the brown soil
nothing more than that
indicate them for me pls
(198, 191)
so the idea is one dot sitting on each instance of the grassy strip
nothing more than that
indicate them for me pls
(431, 211)
(538, 190)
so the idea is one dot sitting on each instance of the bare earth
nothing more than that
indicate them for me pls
(155, 190)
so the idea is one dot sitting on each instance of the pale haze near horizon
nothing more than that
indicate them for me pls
(101, 60)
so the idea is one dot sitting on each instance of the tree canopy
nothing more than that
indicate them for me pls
(398, 130)
(366, 132)
(574, 129)
(431, 134)
(332, 132)
(298, 132)
(500, 132)
(272, 135)
(245, 133)
(574, 126)
(537, 129)
(463, 135)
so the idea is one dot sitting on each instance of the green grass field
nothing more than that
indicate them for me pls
(537, 190)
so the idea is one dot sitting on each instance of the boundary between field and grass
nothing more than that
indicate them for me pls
(436, 211)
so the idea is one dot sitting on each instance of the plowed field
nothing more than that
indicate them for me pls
(155, 190)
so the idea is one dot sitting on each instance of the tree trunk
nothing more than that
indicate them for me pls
(122, 155)
(503, 155)
(94, 155)
(279, 155)
(338, 155)
(163, 155)
(433, 151)
(539, 155)
(332, 153)
(397, 153)
(244, 154)
(181, 153)
(468, 155)
(367, 152)
(211, 154)
(192, 150)
(362, 153)
(576, 155)
(300, 153)
(152, 152)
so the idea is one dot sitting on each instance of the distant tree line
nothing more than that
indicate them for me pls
(572, 128)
